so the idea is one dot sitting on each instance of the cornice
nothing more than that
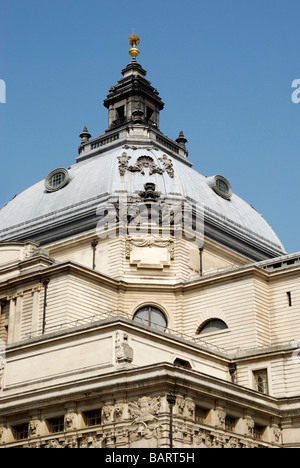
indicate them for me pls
(161, 377)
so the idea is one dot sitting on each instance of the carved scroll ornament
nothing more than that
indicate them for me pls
(145, 162)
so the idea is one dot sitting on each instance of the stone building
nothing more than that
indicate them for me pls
(134, 291)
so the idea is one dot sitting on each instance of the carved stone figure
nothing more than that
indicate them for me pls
(33, 427)
(190, 406)
(218, 442)
(124, 353)
(106, 413)
(250, 424)
(71, 443)
(221, 415)
(181, 406)
(54, 444)
(208, 442)
(119, 409)
(233, 443)
(91, 442)
(277, 433)
(144, 433)
(145, 409)
(70, 421)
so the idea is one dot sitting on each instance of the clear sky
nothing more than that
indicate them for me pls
(224, 68)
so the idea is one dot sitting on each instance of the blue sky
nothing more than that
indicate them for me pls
(224, 68)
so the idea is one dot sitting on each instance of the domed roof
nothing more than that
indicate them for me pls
(131, 153)
(37, 212)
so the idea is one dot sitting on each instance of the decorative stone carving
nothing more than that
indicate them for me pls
(218, 442)
(107, 413)
(71, 443)
(124, 353)
(70, 421)
(180, 406)
(2, 434)
(119, 410)
(210, 439)
(121, 436)
(168, 165)
(221, 416)
(123, 163)
(184, 433)
(208, 442)
(29, 250)
(54, 444)
(147, 148)
(190, 406)
(277, 433)
(145, 162)
(92, 441)
(142, 435)
(145, 409)
(149, 241)
(233, 443)
(149, 194)
(250, 424)
(34, 425)
(34, 445)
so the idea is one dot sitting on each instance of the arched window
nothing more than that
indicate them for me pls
(212, 326)
(151, 317)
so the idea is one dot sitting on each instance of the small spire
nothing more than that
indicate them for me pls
(134, 40)
(85, 135)
(181, 140)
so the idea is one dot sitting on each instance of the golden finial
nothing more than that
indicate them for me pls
(134, 40)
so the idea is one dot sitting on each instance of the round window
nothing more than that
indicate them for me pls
(151, 317)
(221, 186)
(56, 180)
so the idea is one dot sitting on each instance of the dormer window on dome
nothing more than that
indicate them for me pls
(57, 179)
(221, 186)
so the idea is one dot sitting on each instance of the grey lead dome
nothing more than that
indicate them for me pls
(133, 151)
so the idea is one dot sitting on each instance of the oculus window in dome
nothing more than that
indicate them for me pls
(151, 317)
(221, 186)
(56, 180)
